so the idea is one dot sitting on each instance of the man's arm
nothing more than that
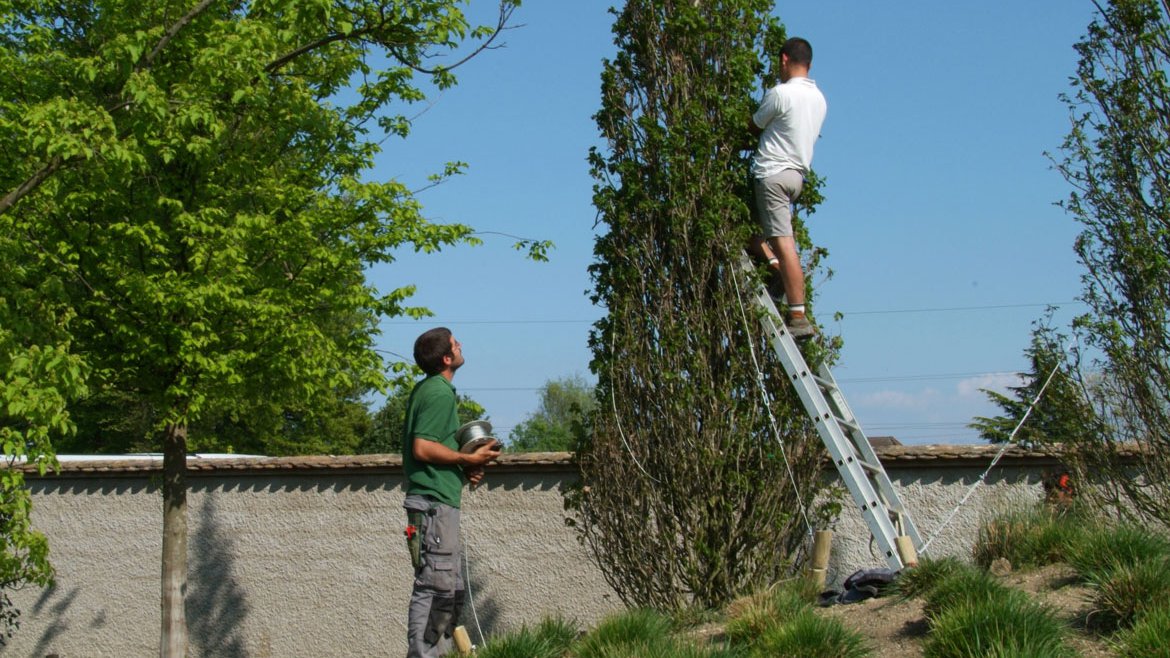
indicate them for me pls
(434, 452)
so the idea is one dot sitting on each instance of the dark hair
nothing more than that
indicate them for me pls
(430, 348)
(799, 51)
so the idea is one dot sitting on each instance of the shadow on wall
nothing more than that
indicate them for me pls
(216, 604)
(481, 613)
(58, 610)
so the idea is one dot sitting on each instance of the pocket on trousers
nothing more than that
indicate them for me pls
(438, 573)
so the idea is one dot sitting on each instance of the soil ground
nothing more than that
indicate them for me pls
(895, 628)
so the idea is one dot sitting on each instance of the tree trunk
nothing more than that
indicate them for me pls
(173, 642)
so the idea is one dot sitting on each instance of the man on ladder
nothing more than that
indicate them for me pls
(787, 124)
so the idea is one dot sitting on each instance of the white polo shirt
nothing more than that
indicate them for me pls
(791, 117)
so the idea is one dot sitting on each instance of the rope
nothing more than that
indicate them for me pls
(470, 598)
(618, 422)
(767, 403)
(982, 478)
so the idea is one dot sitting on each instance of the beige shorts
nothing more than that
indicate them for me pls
(774, 197)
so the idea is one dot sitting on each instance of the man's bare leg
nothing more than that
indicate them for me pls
(783, 248)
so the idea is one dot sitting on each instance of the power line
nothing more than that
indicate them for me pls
(852, 380)
(937, 309)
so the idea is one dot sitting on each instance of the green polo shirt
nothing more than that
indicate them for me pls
(431, 414)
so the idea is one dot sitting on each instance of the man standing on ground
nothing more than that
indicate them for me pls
(436, 472)
(787, 124)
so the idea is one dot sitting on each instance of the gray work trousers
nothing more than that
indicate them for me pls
(438, 590)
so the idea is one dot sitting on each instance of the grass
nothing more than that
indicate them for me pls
(918, 581)
(1130, 591)
(1097, 554)
(969, 612)
(751, 616)
(1003, 625)
(965, 586)
(551, 639)
(1032, 537)
(1147, 637)
(808, 635)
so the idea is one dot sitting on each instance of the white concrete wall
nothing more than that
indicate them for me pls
(312, 562)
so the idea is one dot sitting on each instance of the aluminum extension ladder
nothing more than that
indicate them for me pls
(848, 445)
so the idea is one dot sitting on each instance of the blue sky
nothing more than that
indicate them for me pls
(939, 214)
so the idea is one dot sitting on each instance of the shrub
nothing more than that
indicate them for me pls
(1147, 638)
(1129, 591)
(1002, 625)
(1097, 554)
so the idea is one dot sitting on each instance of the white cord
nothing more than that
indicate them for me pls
(1006, 445)
(618, 421)
(470, 598)
(767, 402)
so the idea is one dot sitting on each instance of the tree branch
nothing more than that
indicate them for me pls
(31, 183)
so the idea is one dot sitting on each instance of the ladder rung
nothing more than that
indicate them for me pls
(848, 424)
(872, 468)
(825, 384)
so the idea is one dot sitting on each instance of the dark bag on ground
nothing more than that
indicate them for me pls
(862, 585)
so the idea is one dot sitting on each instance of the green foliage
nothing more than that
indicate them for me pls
(812, 636)
(631, 631)
(965, 587)
(1030, 537)
(206, 199)
(39, 375)
(385, 432)
(1115, 158)
(752, 616)
(1130, 591)
(1108, 547)
(930, 572)
(684, 500)
(550, 639)
(1062, 413)
(1147, 638)
(1002, 626)
(189, 188)
(565, 404)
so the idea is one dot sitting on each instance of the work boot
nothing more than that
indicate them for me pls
(799, 326)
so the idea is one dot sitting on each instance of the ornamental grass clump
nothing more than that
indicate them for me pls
(929, 572)
(1097, 554)
(751, 616)
(1129, 592)
(1027, 537)
(1147, 638)
(965, 586)
(633, 629)
(809, 635)
(1005, 624)
(550, 639)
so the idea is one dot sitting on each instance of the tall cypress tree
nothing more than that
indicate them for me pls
(686, 496)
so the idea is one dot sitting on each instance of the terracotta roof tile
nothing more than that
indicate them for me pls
(892, 456)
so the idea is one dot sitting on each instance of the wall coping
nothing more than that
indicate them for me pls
(901, 457)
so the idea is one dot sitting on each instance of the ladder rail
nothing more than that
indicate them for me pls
(849, 448)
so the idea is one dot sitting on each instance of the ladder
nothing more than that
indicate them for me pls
(872, 491)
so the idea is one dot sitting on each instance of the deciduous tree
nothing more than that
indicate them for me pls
(1117, 159)
(194, 175)
(565, 406)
